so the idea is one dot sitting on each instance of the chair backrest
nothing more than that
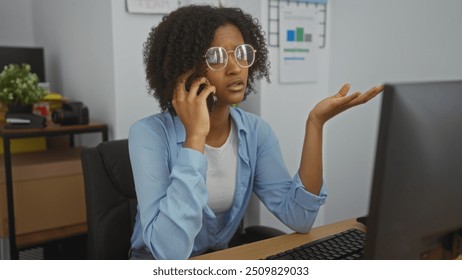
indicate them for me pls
(110, 199)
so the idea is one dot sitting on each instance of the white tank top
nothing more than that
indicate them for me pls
(221, 173)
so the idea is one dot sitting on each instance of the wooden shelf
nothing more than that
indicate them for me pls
(40, 237)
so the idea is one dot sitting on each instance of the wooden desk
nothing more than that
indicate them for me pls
(51, 130)
(261, 249)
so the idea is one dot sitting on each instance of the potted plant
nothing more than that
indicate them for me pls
(19, 88)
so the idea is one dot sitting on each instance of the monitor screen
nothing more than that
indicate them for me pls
(18, 55)
(415, 209)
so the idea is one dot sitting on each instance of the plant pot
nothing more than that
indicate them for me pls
(20, 108)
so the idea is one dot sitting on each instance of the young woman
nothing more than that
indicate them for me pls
(197, 163)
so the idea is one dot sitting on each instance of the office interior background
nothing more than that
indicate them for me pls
(93, 54)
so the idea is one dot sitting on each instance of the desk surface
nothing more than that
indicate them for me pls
(261, 249)
(50, 129)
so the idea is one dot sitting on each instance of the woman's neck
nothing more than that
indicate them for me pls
(220, 126)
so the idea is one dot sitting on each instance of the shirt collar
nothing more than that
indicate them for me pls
(236, 115)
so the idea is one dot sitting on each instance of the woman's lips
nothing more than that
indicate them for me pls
(236, 86)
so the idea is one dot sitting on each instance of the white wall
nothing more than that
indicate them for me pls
(131, 99)
(373, 42)
(16, 23)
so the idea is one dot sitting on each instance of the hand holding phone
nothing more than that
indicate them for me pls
(211, 99)
(190, 103)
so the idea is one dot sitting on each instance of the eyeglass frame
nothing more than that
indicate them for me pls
(227, 57)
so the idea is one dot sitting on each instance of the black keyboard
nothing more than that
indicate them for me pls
(345, 245)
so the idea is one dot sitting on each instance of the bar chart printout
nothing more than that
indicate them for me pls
(298, 51)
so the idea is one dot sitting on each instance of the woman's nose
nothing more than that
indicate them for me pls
(232, 67)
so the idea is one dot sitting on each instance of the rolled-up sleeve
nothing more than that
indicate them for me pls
(284, 195)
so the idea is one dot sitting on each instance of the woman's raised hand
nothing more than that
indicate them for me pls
(334, 105)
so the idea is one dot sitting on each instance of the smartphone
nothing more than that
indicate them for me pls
(211, 100)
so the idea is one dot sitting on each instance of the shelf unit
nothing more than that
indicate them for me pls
(43, 190)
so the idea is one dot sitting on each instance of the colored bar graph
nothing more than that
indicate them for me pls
(298, 35)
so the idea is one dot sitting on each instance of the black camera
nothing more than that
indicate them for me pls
(71, 113)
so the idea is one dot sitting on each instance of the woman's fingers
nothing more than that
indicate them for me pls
(373, 92)
(193, 97)
(368, 95)
(180, 88)
(357, 97)
(197, 86)
(343, 90)
(349, 98)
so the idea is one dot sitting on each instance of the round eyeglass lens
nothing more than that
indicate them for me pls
(216, 58)
(245, 55)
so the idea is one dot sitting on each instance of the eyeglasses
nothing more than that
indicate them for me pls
(217, 57)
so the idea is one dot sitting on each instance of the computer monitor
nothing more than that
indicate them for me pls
(416, 200)
(31, 55)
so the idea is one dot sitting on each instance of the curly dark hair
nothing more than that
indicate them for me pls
(180, 41)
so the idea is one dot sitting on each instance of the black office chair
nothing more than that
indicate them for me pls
(110, 198)
(111, 203)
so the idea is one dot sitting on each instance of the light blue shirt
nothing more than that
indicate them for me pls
(173, 219)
